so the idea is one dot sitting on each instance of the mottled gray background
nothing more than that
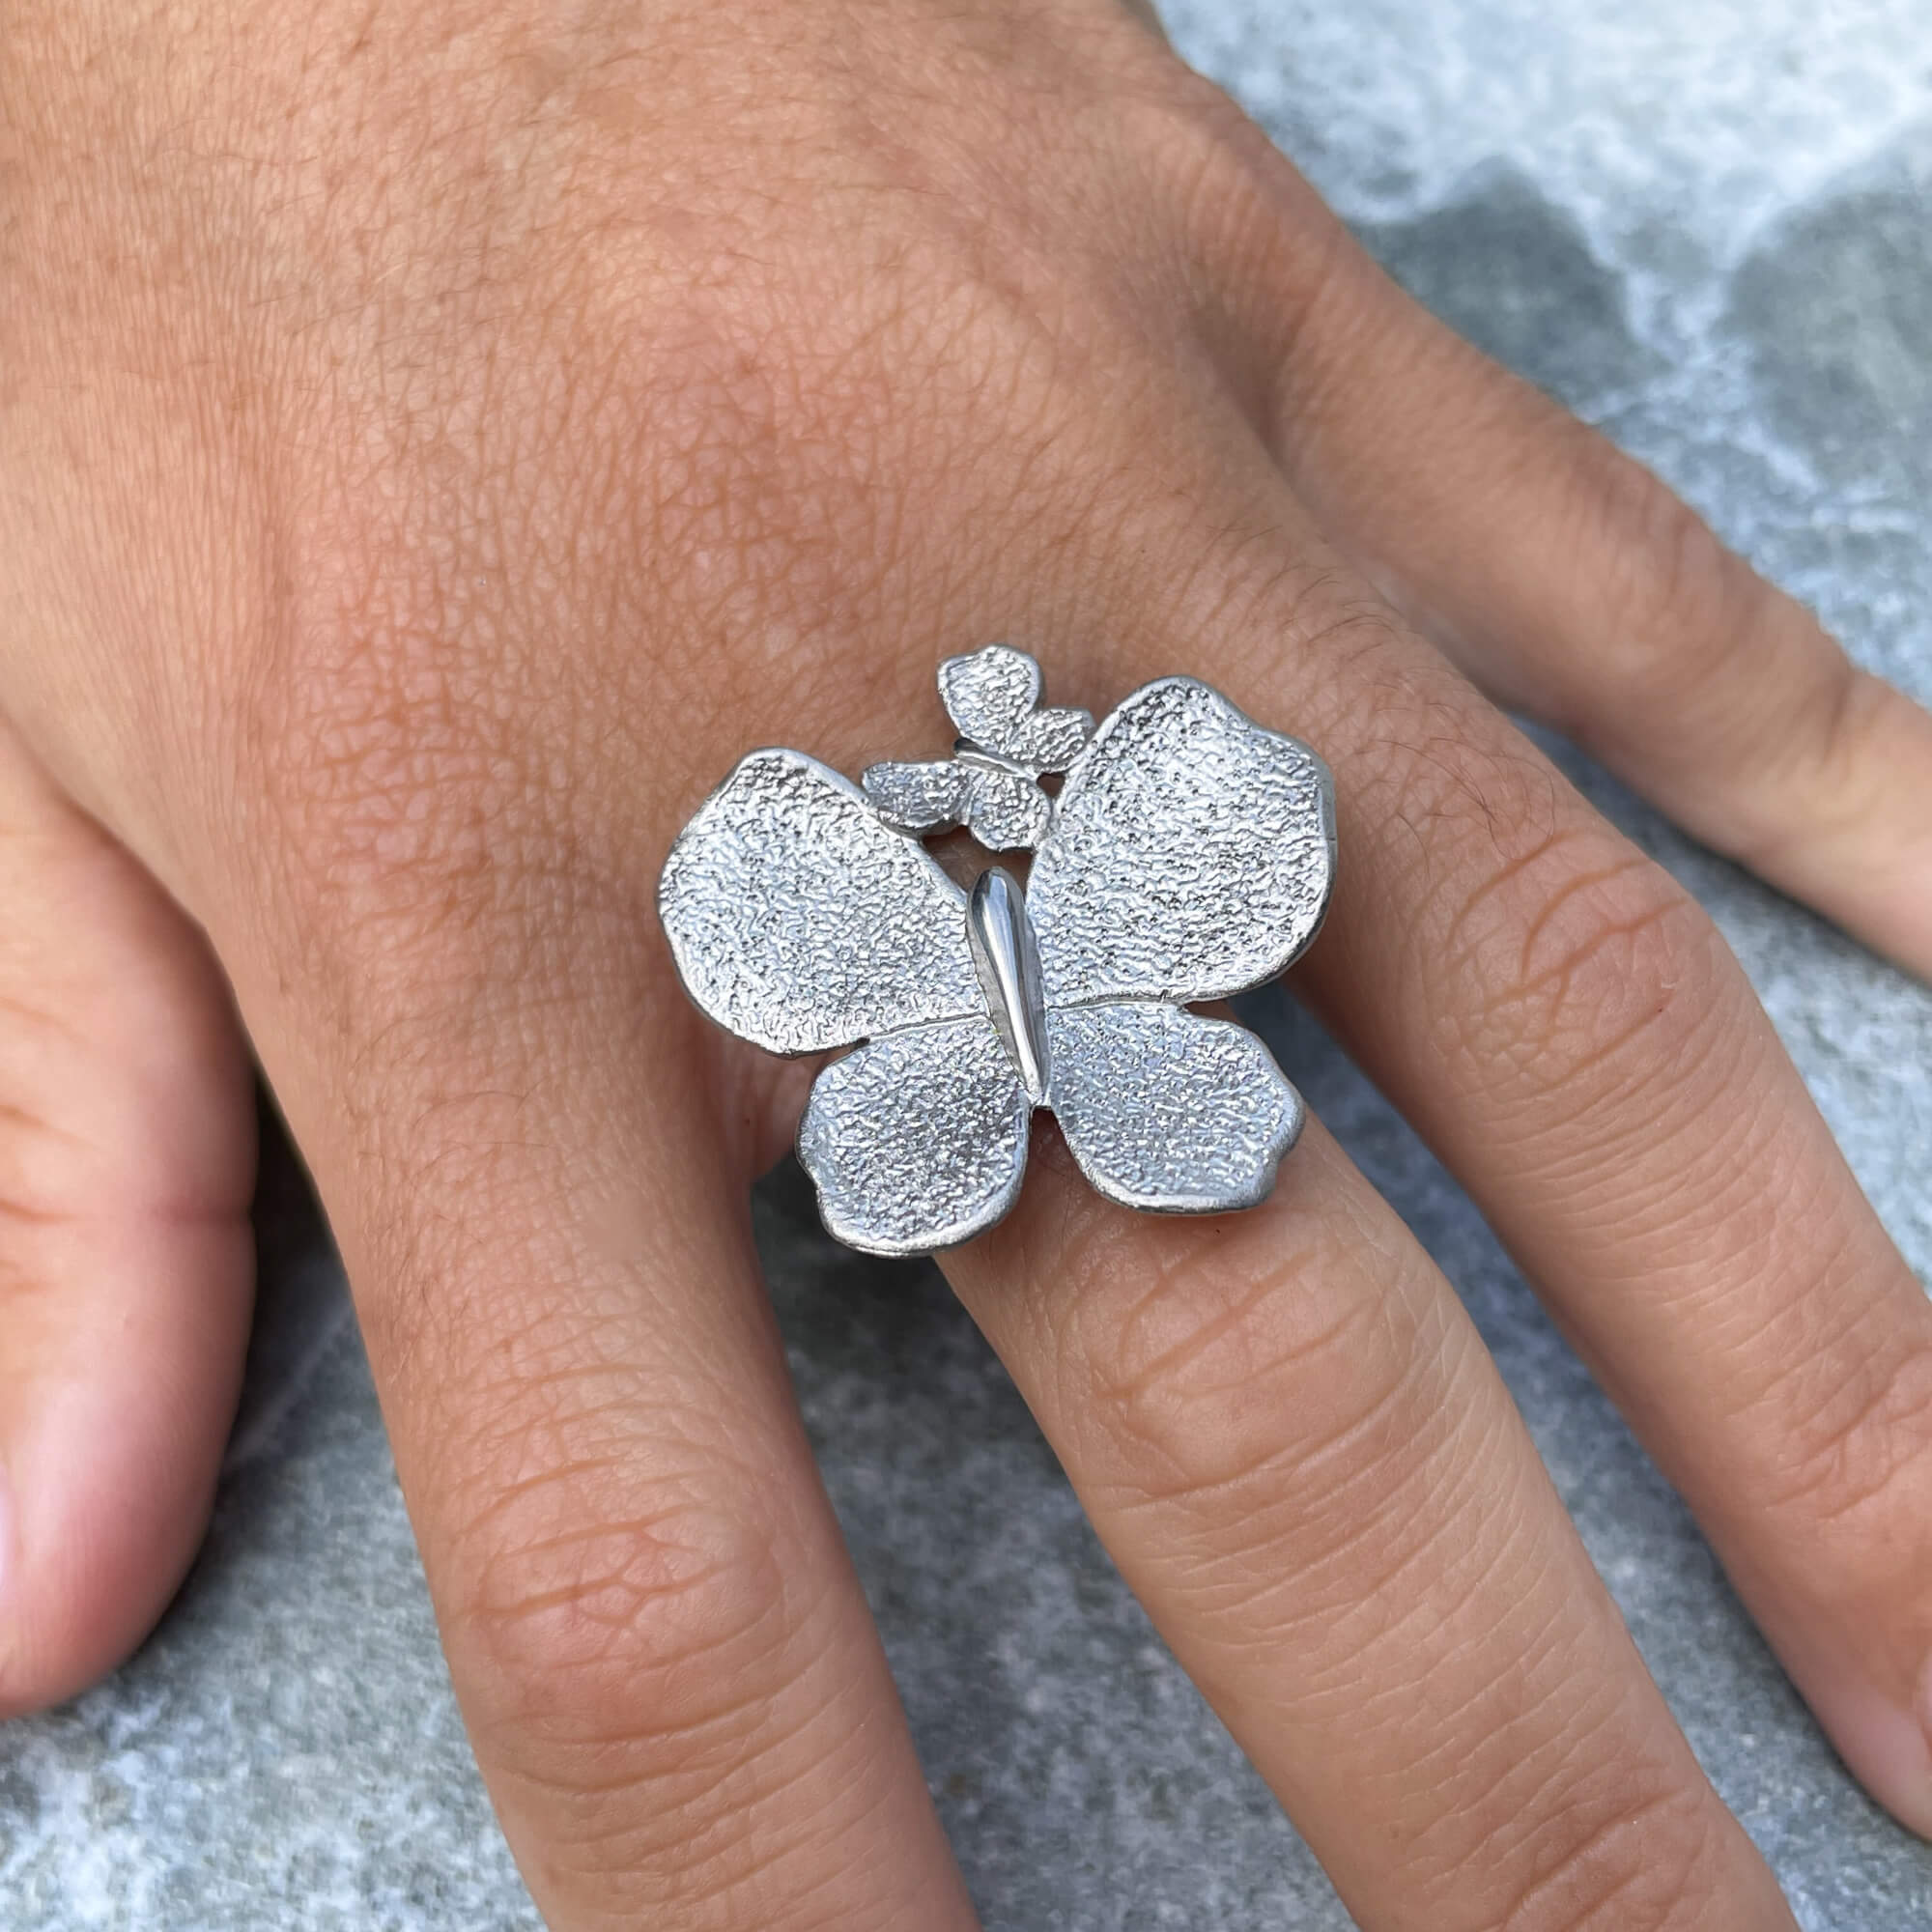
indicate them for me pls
(1707, 228)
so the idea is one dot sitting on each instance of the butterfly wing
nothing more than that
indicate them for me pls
(800, 921)
(1004, 811)
(917, 1140)
(1169, 1111)
(920, 798)
(1189, 857)
(1050, 740)
(992, 696)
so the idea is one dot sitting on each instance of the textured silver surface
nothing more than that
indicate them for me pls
(1189, 856)
(918, 1140)
(993, 695)
(927, 795)
(1007, 740)
(1005, 810)
(801, 922)
(1165, 1109)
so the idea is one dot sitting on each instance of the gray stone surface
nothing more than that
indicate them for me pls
(1706, 227)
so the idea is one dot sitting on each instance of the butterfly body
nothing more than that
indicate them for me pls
(1187, 857)
(1005, 956)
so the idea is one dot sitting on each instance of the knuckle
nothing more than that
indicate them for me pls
(1281, 267)
(1576, 968)
(1227, 179)
(1224, 172)
(1695, 655)
(625, 1630)
(1812, 758)
(1269, 1391)
(1677, 608)
(1641, 1857)
(400, 751)
(1265, 274)
(1856, 1444)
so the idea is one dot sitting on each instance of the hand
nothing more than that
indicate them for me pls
(437, 441)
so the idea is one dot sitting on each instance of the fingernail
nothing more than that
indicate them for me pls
(1912, 1803)
(1886, 1741)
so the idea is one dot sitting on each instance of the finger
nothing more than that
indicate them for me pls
(1574, 586)
(126, 1157)
(677, 1696)
(1568, 1031)
(1292, 1442)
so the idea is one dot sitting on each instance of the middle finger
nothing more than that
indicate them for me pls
(1292, 1442)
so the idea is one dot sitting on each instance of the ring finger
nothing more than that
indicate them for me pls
(1566, 1028)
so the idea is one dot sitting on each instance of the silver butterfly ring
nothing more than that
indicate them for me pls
(1189, 854)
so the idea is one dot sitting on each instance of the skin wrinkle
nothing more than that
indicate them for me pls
(1347, 1578)
(39, 1217)
(1672, 580)
(1545, 1668)
(1866, 1425)
(39, 1018)
(1623, 979)
(1687, 1897)
(478, 1160)
(30, 1125)
(1624, 866)
(1737, 1154)
(820, 1816)
(689, 1427)
(736, 1872)
(1176, 1360)
(558, 1473)
(610, 1405)
(1169, 1440)
(1708, 1266)
(732, 1706)
(1603, 1122)
(1303, 1460)
(1322, 1534)
(1553, 1777)
(1516, 1765)
(635, 1853)
(1719, 1133)
(1848, 777)
(1284, 265)
(699, 1760)
(1346, 1565)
